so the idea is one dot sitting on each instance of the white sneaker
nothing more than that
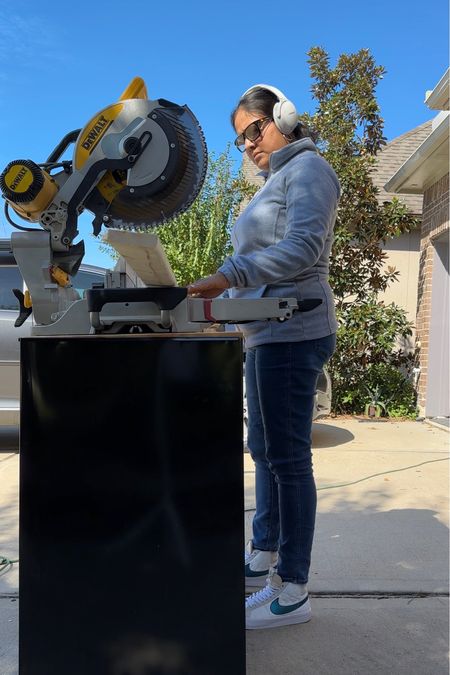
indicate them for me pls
(258, 565)
(280, 603)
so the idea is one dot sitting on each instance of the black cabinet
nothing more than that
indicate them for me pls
(131, 506)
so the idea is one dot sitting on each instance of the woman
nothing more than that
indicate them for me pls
(282, 243)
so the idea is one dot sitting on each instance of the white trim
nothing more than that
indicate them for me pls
(425, 158)
(438, 119)
(437, 98)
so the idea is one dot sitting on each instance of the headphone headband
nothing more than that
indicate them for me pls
(279, 94)
(284, 113)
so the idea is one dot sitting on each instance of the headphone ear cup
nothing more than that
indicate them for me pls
(285, 116)
(284, 112)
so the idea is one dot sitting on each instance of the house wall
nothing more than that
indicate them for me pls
(403, 253)
(435, 224)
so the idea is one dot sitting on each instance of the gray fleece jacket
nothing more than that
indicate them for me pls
(282, 244)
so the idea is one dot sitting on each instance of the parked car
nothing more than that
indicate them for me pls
(10, 277)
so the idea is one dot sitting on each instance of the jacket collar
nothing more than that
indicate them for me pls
(280, 157)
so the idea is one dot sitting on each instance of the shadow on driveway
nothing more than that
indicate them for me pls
(329, 436)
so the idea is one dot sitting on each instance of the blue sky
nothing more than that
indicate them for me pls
(62, 62)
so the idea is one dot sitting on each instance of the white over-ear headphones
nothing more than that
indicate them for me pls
(284, 112)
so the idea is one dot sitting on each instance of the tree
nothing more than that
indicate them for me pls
(197, 241)
(349, 126)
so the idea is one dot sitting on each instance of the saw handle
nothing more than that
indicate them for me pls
(64, 143)
(165, 297)
(308, 304)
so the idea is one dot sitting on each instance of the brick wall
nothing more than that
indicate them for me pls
(435, 221)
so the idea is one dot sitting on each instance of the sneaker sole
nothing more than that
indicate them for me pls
(287, 620)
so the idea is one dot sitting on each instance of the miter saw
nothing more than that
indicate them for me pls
(136, 164)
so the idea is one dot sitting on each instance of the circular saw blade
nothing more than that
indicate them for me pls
(162, 200)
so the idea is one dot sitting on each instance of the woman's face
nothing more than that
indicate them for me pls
(269, 140)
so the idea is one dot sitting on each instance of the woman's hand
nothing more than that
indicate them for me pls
(209, 287)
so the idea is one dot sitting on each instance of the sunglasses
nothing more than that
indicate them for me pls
(251, 133)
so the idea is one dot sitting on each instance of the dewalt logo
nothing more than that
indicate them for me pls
(18, 178)
(95, 133)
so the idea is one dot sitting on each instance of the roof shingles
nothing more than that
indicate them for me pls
(390, 159)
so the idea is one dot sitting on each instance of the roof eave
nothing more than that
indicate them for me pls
(438, 98)
(427, 164)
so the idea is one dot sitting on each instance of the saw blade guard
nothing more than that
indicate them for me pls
(160, 155)
(154, 196)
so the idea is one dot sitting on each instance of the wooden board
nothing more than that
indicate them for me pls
(144, 253)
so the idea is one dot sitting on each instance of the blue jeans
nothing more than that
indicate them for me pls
(280, 383)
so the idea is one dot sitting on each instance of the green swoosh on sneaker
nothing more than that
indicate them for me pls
(251, 573)
(276, 608)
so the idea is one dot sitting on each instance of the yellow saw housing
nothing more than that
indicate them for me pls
(109, 185)
(27, 188)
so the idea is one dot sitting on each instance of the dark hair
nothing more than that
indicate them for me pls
(262, 101)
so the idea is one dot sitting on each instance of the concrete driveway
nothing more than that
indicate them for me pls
(379, 577)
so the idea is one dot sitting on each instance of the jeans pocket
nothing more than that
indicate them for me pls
(325, 347)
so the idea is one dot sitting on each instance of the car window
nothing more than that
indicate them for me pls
(10, 278)
(84, 280)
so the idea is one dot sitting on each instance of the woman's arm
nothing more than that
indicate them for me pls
(311, 201)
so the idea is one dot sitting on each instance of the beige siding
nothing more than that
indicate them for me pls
(403, 254)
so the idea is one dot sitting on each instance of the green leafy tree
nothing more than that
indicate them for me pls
(349, 126)
(197, 241)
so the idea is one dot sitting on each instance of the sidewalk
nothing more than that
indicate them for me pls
(380, 560)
